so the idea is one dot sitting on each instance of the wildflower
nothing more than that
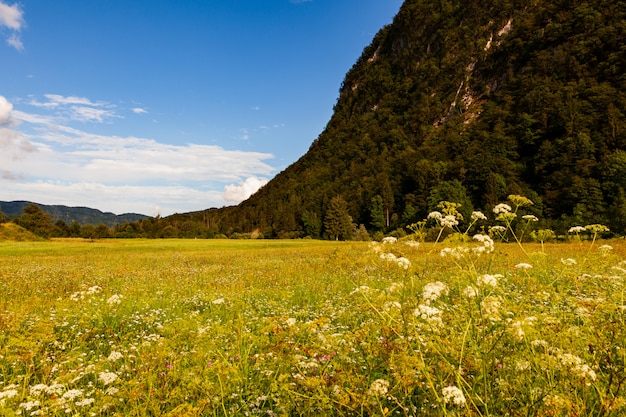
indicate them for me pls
(524, 266)
(111, 391)
(530, 218)
(291, 321)
(37, 390)
(395, 287)
(604, 249)
(72, 394)
(434, 290)
(107, 377)
(435, 215)
(470, 292)
(403, 262)
(218, 301)
(8, 393)
(488, 279)
(388, 257)
(477, 215)
(502, 209)
(568, 261)
(379, 388)
(576, 229)
(520, 200)
(114, 356)
(392, 305)
(449, 221)
(412, 243)
(55, 389)
(390, 239)
(453, 395)
(490, 307)
(114, 299)
(486, 240)
(497, 229)
(584, 372)
(84, 403)
(429, 314)
(29, 405)
(456, 253)
(597, 228)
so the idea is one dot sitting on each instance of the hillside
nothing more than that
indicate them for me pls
(69, 215)
(465, 101)
(13, 232)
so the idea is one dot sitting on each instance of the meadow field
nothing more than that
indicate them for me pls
(312, 328)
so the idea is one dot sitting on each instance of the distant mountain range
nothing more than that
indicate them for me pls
(80, 215)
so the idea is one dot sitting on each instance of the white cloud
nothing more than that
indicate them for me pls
(139, 110)
(238, 193)
(52, 163)
(77, 108)
(5, 110)
(12, 18)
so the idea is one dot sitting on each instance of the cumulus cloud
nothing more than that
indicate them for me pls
(139, 110)
(5, 111)
(12, 17)
(238, 193)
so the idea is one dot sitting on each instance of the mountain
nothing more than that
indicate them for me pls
(69, 215)
(466, 101)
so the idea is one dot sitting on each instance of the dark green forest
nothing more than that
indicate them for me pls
(458, 100)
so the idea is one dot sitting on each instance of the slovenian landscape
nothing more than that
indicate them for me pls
(452, 244)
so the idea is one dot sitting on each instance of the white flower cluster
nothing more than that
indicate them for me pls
(400, 260)
(114, 299)
(107, 377)
(432, 315)
(449, 220)
(434, 290)
(490, 307)
(487, 242)
(490, 280)
(378, 388)
(453, 395)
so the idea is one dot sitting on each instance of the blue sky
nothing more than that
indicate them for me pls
(158, 107)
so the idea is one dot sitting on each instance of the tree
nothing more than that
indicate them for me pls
(35, 220)
(337, 222)
(377, 213)
(2, 216)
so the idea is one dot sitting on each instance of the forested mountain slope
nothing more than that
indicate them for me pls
(466, 101)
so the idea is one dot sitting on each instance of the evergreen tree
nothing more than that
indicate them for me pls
(377, 213)
(337, 222)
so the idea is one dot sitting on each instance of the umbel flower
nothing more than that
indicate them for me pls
(453, 395)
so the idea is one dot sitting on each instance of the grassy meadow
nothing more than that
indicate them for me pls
(311, 328)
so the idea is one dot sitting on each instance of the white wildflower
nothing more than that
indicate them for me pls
(453, 395)
(524, 266)
(584, 372)
(218, 301)
(84, 403)
(37, 390)
(477, 215)
(435, 215)
(114, 299)
(449, 221)
(486, 240)
(29, 405)
(403, 262)
(379, 388)
(55, 389)
(604, 249)
(72, 394)
(497, 229)
(412, 243)
(434, 290)
(502, 208)
(488, 280)
(568, 261)
(456, 252)
(114, 356)
(107, 377)
(430, 314)
(530, 218)
(395, 287)
(390, 239)
(111, 391)
(8, 393)
(470, 292)
(576, 229)
(291, 321)
(392, 305)
(490, 307)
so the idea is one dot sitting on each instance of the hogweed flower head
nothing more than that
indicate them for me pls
(576, 229)
(379, 388)
(530, 218)
(520, 200)
(502, 208)
(478, 215)
(453, 395)
(434, 290)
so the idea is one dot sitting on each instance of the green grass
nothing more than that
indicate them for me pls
(256, 327)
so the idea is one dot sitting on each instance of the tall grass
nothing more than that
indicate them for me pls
(221, 328)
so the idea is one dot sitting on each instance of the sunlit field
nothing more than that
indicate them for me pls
(312, 328)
